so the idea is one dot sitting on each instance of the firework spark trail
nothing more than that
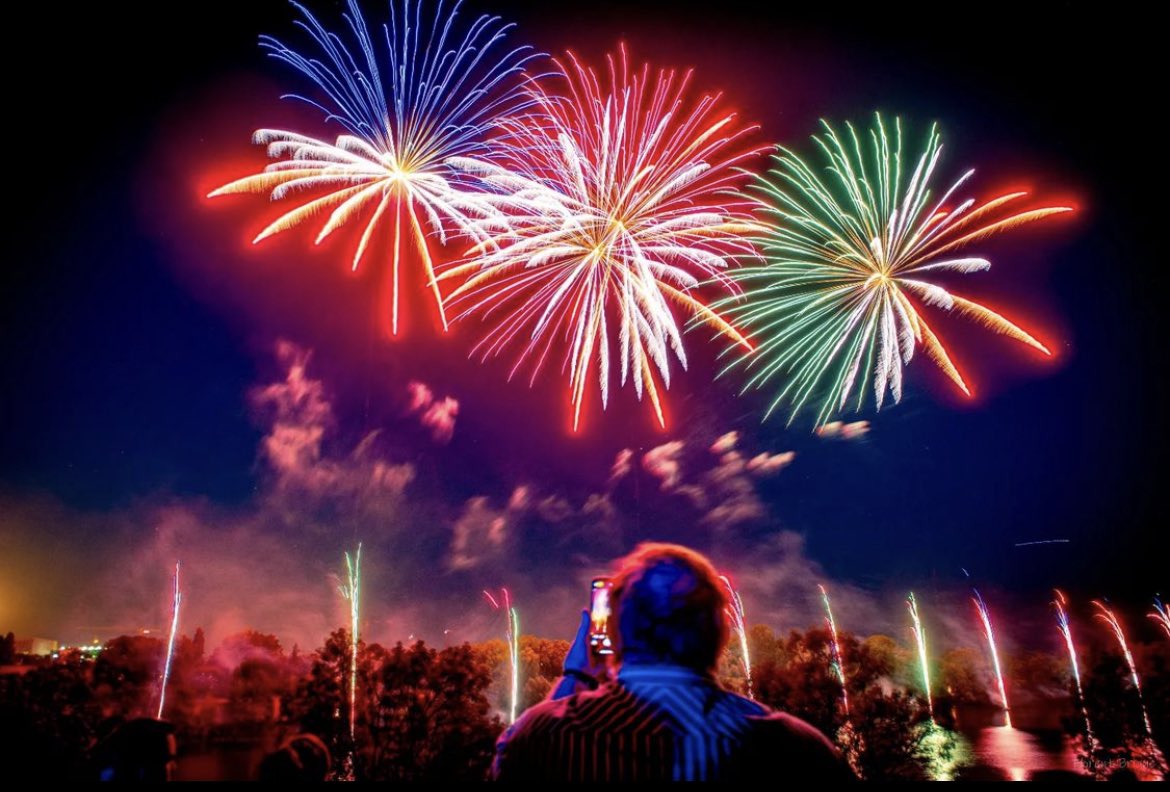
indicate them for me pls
(735, 612)
(920, 640)
(351, 590)
(512, 636)
(514, 649)
(445, 84)
(177, 599)
(620, 211)
(985, 617)
(838, 665)
(1060, 603)
(1161, 615)
(1109, 617)
(850, 250)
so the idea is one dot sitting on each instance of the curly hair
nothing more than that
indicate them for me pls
(669, 607)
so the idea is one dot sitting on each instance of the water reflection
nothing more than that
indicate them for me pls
(1018, 754)
(220, 764)
(1021, 753)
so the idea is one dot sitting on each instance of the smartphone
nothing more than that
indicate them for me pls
(599, 612)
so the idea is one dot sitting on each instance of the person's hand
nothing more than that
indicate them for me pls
(581, 656)
(583, 669)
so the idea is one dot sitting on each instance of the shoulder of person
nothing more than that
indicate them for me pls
(553, 711)
(783, 724)
(780, 743)
(786, 738)
(746, 706)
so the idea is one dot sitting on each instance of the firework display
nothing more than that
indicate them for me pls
(512, 637)
(351, 590)
(1161, 615)
(410, 97)
(617, 213)
(736, 615)
(989, 633)
(176, 600)
(1060, 603)
(600, 295)
(920, 642)
(1106, 614)
(838, 666)
(601, 211)
(851, 248)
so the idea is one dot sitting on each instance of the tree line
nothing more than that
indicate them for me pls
(424, 713)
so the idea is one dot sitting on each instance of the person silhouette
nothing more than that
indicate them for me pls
(662, 716)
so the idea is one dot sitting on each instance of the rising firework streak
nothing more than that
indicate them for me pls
(1161, 615)
(1109, 617)
(351, 590)
(838, 665)
(920, 640)
(985, 618)
(176, 600)
(512, 635)
(735, 613)
(1060, 603)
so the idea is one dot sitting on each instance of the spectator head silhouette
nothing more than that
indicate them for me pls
(303, 758)
(669, 609)
(142, 749)
(664, 714)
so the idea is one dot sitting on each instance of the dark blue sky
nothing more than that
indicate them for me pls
(132, 334)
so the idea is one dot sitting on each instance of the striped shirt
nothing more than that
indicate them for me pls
(661, 723)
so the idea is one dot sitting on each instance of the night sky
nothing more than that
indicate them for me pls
(151, 354)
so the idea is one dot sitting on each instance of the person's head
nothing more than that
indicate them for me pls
(143, 749)
(303, 757)
(669, 607)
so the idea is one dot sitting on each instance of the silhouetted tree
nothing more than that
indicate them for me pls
(536, 689)
(198, 644)
(256, 687)
(433, 720)
(543, 656)
(1154, 660)
(892, 660)
(805, 682)
(247, 644)
(960, 676)
(541, 663)
(127, 675)
(421, 714)
(190, 681)
(763, 649)
(1116, 714)
(493, 655)
(883, 734)
(764, 646)
(320, 700)
(1035, 674)
(886, 731)
(50, 718)
(7, 649)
